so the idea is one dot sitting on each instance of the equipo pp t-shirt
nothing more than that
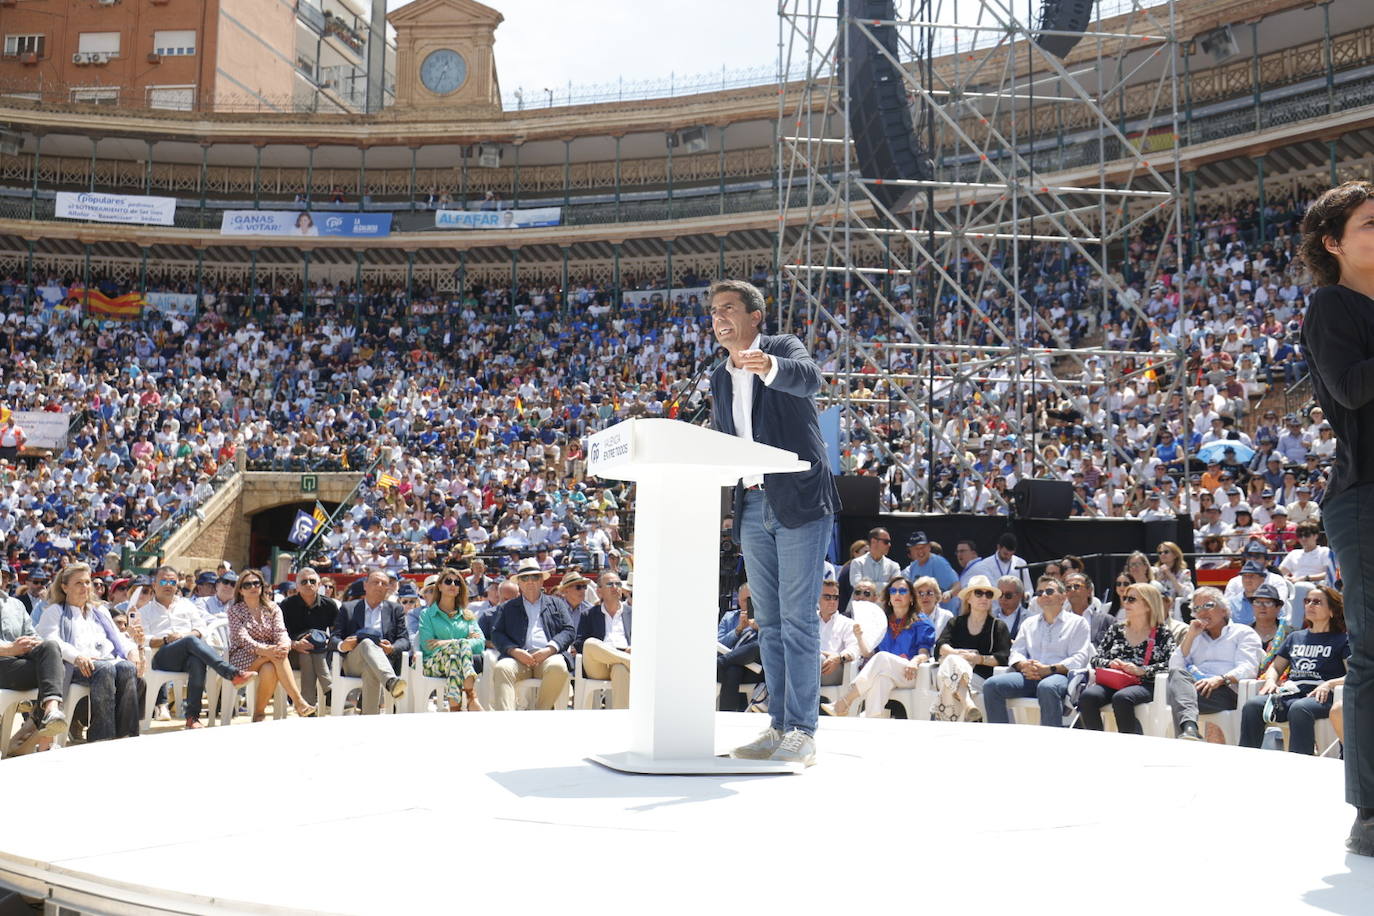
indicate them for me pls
(1314, 657)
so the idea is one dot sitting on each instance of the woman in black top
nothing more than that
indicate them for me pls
(1338, 341)
(966, 645)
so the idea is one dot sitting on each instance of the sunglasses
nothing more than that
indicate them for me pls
(1046, 591)
(882, 540)
(578, 588)
(1074, 588)
(166, 581)
(529, 576)
(1009, 594)
(450, 581)
(612, 584)
(983, 593)
(863, 591)
(830, 597)
(1122, 583)
(1313, 599)
(250, 585)
(298, 582)
(899, 591)
(1131, 599)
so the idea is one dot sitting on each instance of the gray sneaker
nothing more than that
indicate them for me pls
(796, 747)
(761, 748)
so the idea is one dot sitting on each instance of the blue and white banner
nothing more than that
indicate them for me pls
(305, 223)
(116, 208)
(173, 303)
(302, 529)
(498, 219)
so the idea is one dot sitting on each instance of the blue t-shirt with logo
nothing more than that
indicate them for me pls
(1314, 657)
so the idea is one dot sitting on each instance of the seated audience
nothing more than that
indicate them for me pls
(1010, 608)
(839, 646)
(451, 640)
(1210, 661)
(1271, 624)
(1171, 573)
(1078, 592)
(309, 617)
(968, 649)
(258, 642)
(897, 659)
(532, 633)
(1309, 561)
(737, 643)
(603, 639)
(928, 594)
(1315, 659)
(28, 663)
(94, 648)
(370, 631)
(1049, 646)
(1139, 648)
(177, 628)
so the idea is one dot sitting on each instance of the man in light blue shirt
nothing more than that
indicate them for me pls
(1046, 650)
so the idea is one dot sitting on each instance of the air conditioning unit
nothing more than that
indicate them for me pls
(98, 57)
(693, 139)
(154, 57)
(489, 157)
(81, 58)
(28, 57)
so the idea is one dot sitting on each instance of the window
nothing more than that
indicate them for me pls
(174, 98)
(99, 43)
(96, 95)
(23, 44)
(174, 42)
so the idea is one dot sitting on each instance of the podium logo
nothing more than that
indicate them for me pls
(596, 452)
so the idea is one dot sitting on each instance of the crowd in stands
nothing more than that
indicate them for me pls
(468, 415)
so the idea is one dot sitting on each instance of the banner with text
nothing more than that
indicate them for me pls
(302, 223)
(498, 219)
(116, 208)
(651, 298)
(43, 428)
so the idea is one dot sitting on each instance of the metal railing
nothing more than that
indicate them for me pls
(311, 546)
(151, 545)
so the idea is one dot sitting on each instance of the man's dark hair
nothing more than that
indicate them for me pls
(1007, 540)
(972, 544)
(748, 293)
(1307, 528)
(1326, 219)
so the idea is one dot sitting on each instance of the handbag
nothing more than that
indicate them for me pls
(1116, 679)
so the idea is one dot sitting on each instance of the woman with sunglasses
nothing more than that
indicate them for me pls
(1115, 604)
(968, 649)
(258, 641)
(1171, 574)
(1125, 648)
(898, 657)
(1315, 660)
(450, 639)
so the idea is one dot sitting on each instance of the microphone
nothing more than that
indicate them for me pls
(674, 406)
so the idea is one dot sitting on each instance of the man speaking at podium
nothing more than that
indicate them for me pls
(766, 392)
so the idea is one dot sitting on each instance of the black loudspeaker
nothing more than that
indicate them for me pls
(1042, 498)
(885, 142)
(859, 495)
(1063, 16)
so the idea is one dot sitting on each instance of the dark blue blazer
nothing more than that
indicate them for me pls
(350, 620)
(784, 416)
(592, 625)
(511, 624)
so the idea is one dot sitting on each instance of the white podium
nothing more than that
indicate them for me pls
(679, 470)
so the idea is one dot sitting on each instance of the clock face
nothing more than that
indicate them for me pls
(443, 71)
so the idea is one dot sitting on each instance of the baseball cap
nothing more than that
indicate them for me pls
(917, 537)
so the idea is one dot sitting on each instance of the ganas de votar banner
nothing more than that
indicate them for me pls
(116, 208)
(305, 223)
(498, 219)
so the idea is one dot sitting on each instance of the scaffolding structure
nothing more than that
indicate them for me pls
(992, 108)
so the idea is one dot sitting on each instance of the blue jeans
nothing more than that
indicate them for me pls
(784, 567)
(114, 699)
(1301, 715)
(1348, 517)
(192, 655)
(1048, 691)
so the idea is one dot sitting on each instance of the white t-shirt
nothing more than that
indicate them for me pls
(1303, 563)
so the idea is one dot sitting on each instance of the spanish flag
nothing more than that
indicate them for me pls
(386, 481)
(319, 515)
(126, 307)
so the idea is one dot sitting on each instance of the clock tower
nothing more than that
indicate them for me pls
(444, 55)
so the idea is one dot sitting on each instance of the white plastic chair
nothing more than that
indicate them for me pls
(588, 693)
(422, 685)
(918, 699)
(75, 694)
(831, 693)
(1155, 716)
(10, 701)
(342, 686)
(154, 680)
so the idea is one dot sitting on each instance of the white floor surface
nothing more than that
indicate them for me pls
(444, 813)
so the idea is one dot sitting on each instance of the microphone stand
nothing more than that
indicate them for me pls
(674, 406)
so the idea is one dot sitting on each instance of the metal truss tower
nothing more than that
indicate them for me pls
(1031, 159)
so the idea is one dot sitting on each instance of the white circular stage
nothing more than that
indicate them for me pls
(439, 813)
